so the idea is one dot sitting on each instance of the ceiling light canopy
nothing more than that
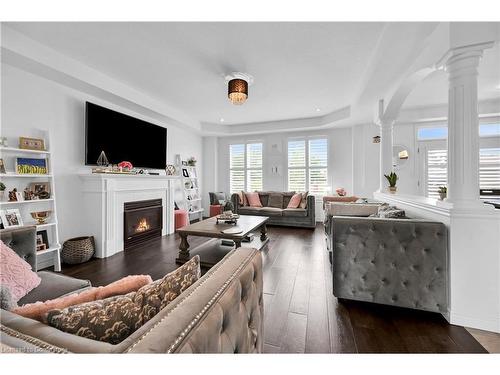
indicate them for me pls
(237, 87)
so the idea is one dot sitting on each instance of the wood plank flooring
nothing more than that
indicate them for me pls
(301, 313)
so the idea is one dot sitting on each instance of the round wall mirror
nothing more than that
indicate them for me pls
(400, 156)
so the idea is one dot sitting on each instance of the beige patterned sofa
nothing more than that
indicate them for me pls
(221, 313)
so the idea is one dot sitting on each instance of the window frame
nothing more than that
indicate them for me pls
(307, 167)
(245, 168)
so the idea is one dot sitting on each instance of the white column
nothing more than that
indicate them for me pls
(463, 127)
(386, 135)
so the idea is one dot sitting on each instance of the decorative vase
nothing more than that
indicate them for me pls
(442, 196)
(392, 189)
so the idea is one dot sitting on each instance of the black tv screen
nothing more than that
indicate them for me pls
(123, 138)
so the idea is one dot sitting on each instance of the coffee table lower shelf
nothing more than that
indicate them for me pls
(212, 251)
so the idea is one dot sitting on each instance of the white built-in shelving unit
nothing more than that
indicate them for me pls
(192, 197)
(12, 180)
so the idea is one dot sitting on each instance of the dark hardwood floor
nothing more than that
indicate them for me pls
(301, 313)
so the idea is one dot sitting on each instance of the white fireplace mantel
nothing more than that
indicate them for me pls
(104, 196)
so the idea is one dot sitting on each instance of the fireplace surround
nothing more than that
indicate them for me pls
(142, 221)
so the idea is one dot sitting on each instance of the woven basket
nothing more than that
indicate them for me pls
(78, 250)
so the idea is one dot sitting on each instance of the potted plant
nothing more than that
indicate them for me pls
(191, 161)
(2, 190)
(392, 178)
(340, 192)
(442, 190)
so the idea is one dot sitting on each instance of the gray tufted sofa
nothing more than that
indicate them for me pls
(221, 313)
(399, 262)
(290, 217)
(53, 285)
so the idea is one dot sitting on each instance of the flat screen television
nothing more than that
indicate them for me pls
(123, 138)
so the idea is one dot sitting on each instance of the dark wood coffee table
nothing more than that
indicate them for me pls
(213, 251)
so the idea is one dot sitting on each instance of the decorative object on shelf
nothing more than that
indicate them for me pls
(184, 163)
(2, 166)
(102, 160)
(392, 178)
(188, 184)
(2, 190)
(42, 240)
(237, 87)
(11, 218)
(13, 195)
(443, 191)
(31, 166)
(41, 190)
(125, 166)
(170, 170)
(376, 139)
(41, 217)
(4, 142)
(185, 172)
(31, 144)
(191, 161)
(341, 192)
(78, 250)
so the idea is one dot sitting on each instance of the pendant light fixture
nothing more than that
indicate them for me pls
(237, 87)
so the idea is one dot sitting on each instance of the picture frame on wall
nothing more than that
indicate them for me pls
(26, 143)
(11, 218)
(42, 240)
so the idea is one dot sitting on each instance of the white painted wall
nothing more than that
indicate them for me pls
(275, 155)
(29, 102)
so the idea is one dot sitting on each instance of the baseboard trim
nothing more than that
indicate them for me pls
(492, 325)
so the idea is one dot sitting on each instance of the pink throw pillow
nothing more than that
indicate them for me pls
(295, 201)
(126, 285)
(16, 274)
(253, 199)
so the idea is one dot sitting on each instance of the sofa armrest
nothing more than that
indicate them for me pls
(221, 313)
(311, 207)
(23, 242)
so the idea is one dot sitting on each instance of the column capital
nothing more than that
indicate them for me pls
(385, 123)
(456, 54)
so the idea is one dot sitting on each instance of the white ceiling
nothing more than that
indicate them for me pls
(297, 67)
(434, 89)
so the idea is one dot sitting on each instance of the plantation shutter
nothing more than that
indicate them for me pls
(489, 168)
(297, 165)
(237, 168)
(254, 166)
(318, 162)
(436, 171)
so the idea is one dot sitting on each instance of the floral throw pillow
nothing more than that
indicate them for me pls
(114, 319)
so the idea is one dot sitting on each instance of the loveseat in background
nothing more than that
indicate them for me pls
(278, 213)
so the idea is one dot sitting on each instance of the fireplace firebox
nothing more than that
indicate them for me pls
(143, 221)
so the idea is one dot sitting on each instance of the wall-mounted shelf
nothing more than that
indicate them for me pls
(23, 151)
(50, 256)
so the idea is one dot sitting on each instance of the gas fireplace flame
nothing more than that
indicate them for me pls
(142, 226)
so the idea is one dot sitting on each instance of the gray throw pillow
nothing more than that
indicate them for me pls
(275, 200)
(6, 300)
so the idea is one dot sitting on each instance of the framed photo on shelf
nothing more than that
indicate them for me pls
(40, 189)
(42, 240)
(185, 172)
(184, 163)
(11, 218)
(31, 166)
(31, 143)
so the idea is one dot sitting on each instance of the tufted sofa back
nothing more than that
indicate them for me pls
(23, 242)
(400, 262)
